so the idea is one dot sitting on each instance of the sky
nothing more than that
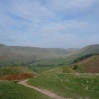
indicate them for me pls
(49, 23)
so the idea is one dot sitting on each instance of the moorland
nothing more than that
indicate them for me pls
(70, 73)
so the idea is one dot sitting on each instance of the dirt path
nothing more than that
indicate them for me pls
(43, 91)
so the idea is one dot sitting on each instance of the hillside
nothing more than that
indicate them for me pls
(16, 54)
(15, 73)
(69, 85)
(89, 65)
(42, 53)
(59, 70)
(91, 49)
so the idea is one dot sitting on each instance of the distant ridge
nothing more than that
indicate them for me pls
(11, 55)
(17, 54)
(91, 49)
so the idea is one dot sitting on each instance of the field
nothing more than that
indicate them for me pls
(43, 65)
(11, 90)
(70, 85)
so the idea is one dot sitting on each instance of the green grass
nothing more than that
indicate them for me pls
(47, 64)
(11, 90)
(58, 70)
(76, 86)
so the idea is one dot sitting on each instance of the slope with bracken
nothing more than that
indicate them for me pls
(15, 73)
(89, 65)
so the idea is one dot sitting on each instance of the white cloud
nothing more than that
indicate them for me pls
(31, 22)
(62, 27)
(28, 9)
(70, 6)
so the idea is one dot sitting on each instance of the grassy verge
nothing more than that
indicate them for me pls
(11, 90)
(75, 86)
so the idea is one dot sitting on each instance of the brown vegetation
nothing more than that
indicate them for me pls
(17, 77)
(89, 65)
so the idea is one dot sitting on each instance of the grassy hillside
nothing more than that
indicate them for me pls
(62, 52)
(59, 71)
(15, 73)
(10, 55)
(11, 90)
(91, 49)
(89, 65)
(42, 53)
(41, 59)
(69, 85)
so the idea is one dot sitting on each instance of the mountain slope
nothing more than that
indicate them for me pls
(62, 52)
(16, 54)
(42, 53)
(11, 55)
(34, 52)
(91, 49)
(89, 65)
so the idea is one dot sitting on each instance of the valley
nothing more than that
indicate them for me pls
(69, 74)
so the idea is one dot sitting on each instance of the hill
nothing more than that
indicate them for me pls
(36, 58)
(69, 85)
(91, 49)
(89, 65)
(59, 70)
(10, 55)
(15, 73)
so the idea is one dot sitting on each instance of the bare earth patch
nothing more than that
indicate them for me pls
(17, 77)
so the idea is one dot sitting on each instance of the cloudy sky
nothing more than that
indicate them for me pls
(49, 23)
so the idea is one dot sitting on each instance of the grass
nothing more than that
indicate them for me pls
(89, 65)
(15, 73)
(58, 70)
(71, 85)
(12, 70)
(44, 65)
(11, 90)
